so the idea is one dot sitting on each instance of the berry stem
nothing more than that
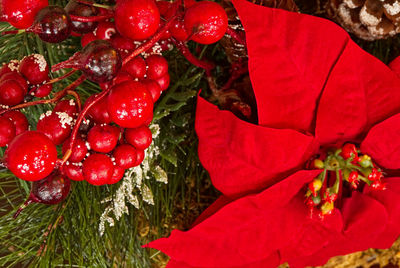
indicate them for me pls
(56, 97)
(23, 206)
(55, 80)
(92, 18)
(236, 36)
(207, 66)
(95, 4)
(13, 32)
(238, 69)
(77, 98)
(69, 63)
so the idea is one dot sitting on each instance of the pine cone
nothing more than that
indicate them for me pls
(368, 19)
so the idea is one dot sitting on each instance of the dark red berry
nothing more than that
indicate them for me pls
(7, 131)
(56, 126)
(153, 87)
(118, 174)
(75, 8)
(11, 93)
(52, 24)
(137, 19)
(139, 137)
(157, 66)
(34, 68)
(130, 104)
(98, 112)
(41, 91)
(31, 156)
(67, 106)
(10, 67)
(79, 150)
(98, 169)
(163, 82)
(125, 156)
(19, 119)
(21, 13)
(206, 22)
(105, 30)
(123, 44)
(136, 67)
(103, 138)
(87, 38)
(73, 171)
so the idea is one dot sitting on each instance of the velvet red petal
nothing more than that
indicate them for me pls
(243, 157)
(395, 65)
(383, 143)
(290, 58)
(245, 231)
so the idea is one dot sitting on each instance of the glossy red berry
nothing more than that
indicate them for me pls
(11, 93)
(98, 112)
(41, 91)
(130, 104)
(206, 22)
(73, 171)
(31, 156)
(87, 38)
(103, 138)
(21, 13)
(178, 30)
(118, 174)
(7, 131)
(66, 106)
(140, 157)
(98, 169)
(137, 19)
(163, 82)
(136, 67)
(75, 8)
(153, 87)
(79, 150)
(19, 120)
(57, 126)
(157, 66)
(34, 68)
(139, 137)
(105, 30)
(16, 77)
(125, 156)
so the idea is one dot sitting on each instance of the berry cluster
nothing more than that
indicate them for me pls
(349, 168)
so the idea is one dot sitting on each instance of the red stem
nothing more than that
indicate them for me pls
(69, 63)
(23, 206)
(56, 97)
(237, 70)
(55, 80)
(236, 36)
(92, 18)
(94, 4)
(77, 98)
(207, 66)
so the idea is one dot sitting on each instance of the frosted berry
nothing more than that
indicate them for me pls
(11, 93)
(79, 150)
(137, 19)
(21, 13)
(98, 169)
(157, 66)
(103, 138)
(7, 131)
(125, 156)
(31, 156)
(34, 68)
(139, 137)
(117, 175)
(10, 67)
(73, 172)
(98, 112)
(105, 30)
(130, 104)
(136, 67)
(56, 126)
(66, 106)
(75, 8)
(206, 22)
(19, 120)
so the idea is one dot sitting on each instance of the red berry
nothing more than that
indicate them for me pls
(103, 138)
(375, 175)
(349, 150)
(87, 38)
(42, 91)
(140, 157)
(7, 131)
(137, 19)
(17, 78)
(98, 169)
(125, 156)
(122, 44)
(34, 68)
(206, 22)
(163, 8)
(67, 106)
(73, 172)
(153, 87)
(157, 66)
(12, 66)
(19, 119)
(56, 126)
(79, 150)
(98, 112)
(118, 174)
(136, 67)
(130, 104)
(21, 13)
(11, 93)
(140, 137)
(122, 77)
(105, 30)
(163, 82)
(31, 156)
(178, 30)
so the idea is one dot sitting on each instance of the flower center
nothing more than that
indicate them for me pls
(343, 167)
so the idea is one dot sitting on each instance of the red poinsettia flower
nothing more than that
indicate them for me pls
(315, 88)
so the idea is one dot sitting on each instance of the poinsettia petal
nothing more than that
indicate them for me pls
(395, 65)
(245, 231)
(213, 208)
(291, 56)
(243, 157)
(383, 143)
